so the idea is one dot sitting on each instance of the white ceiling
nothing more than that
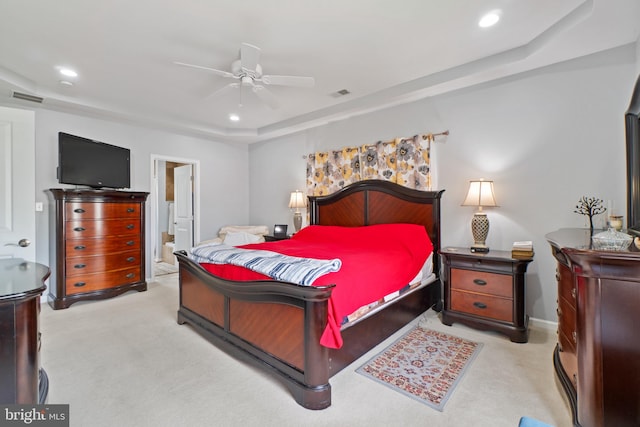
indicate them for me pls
(384, 52)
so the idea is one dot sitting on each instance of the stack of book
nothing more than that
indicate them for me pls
(522, 249)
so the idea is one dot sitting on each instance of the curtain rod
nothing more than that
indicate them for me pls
(424, 137)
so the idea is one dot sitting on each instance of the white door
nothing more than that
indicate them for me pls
(183, 207)
(17, 184)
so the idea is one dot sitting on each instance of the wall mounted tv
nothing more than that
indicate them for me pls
(83, 161)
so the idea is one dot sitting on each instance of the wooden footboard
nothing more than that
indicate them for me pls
(275, 325)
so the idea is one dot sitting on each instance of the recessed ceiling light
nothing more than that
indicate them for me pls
(66, 83)
(234, 117)
(490, 19)
(68, 72)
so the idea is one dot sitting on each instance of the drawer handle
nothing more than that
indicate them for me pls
(130, 210)
(79, 284)
(79, 247)
(480, 305)
(559, 312)
(560, 348)
(80, 266)
(79, 210)
(79, 229)
(131, 226)
(131, 259)
(131, 275)
(573, 293)
(480, 282)
(130, 243)
(574, 335)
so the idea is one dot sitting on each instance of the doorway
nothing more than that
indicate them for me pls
(17, 170)
(174, 201)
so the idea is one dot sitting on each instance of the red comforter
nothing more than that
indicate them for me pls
(376, 261)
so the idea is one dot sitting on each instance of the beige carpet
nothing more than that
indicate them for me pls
(126, 362)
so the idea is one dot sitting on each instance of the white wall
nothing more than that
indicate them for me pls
(223, 170)
(545, 137)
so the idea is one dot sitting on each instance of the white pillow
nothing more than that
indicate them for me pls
(241, 238)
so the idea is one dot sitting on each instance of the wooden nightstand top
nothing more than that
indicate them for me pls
(495, 255)
(272, 238)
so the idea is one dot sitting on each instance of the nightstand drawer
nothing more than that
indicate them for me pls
(482, 305)
(482, 282)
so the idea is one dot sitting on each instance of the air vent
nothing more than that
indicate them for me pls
(341, 92)
(27, 97)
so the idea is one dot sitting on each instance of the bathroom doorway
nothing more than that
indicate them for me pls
(174, 200)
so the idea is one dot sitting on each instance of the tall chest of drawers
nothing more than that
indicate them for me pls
(97, 240)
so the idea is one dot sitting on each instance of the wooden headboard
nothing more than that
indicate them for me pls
(372, 202)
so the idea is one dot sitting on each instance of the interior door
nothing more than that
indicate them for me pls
(183, 207)
(17, 184)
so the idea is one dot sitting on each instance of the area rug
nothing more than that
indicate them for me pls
(423, 364)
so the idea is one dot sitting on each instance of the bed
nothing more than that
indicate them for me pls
(233, 315)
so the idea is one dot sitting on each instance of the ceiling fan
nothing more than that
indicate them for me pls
(248, 73)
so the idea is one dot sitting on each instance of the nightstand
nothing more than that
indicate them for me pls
(270, 238)
(485, 291)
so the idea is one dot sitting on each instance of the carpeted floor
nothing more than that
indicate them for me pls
(162, 268)
(126, 362)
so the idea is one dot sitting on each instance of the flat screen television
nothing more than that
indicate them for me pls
(632, 127)
(83, 161)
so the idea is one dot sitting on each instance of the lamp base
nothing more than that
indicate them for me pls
(480, 230)
(297, 221)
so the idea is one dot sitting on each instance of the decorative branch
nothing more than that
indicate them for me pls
(590, 206)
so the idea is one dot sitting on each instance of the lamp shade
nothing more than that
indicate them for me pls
(297, 200)
(480, 194)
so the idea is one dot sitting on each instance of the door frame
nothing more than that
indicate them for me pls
(154, 202)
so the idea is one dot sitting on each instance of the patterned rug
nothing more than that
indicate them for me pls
(423, 364)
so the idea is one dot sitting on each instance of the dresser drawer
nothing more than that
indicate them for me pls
(111, 227)
(97, 281)
(87, 210)
(566, 317)
(100, 246)
(482, 282)
(566, 286)
(568, 357)
(105, 263)
(482, 305)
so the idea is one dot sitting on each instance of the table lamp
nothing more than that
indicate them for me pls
(297, 201)
(480, 194)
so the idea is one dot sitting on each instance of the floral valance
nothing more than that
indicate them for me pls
(405, 161)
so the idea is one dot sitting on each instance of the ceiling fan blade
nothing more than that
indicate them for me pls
(297, 81)
(211, 70)
(266, 96)
(249, 56)
(223, 90)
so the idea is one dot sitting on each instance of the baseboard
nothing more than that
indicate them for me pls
(543, 324)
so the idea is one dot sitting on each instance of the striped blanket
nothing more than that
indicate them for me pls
(302, 271)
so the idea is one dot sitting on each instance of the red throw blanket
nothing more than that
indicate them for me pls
(376, 261)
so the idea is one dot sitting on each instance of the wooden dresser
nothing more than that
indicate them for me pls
(597, 358)
(97, 244)
(485, 291)
(22, 381)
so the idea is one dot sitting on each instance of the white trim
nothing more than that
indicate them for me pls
(543, 324)
(153, 198)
